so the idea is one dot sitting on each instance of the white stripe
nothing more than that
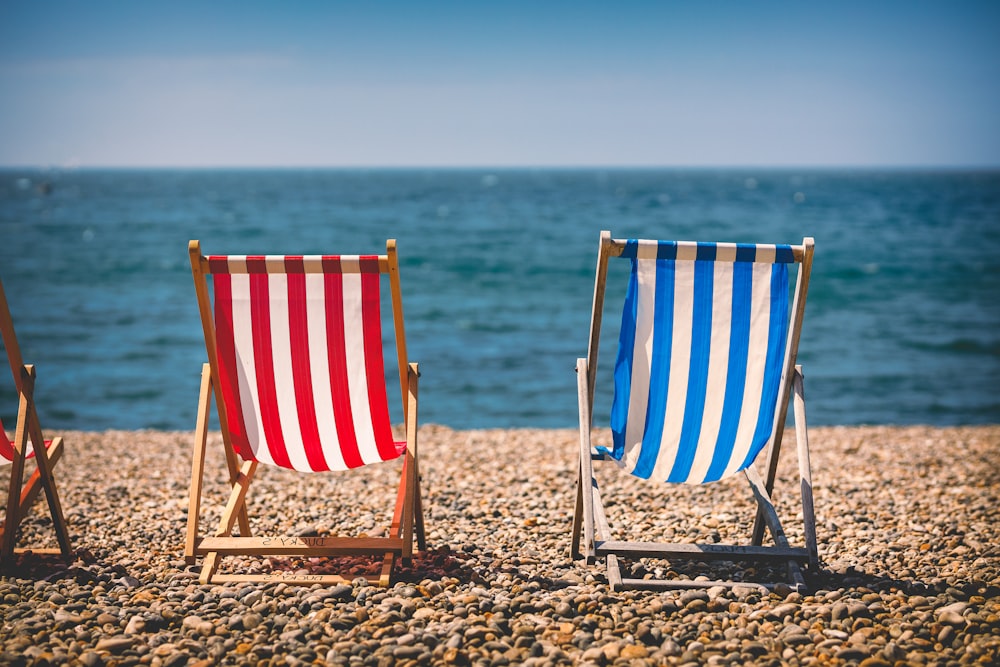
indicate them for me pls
(284, 380)
(246, 371)
(642, 352)
(718, 365)
(680, 366)
(646, 249)
(357, 376)
(687, 250)
(766, 252)
(319, 369)
(312, 264)
(756, 363)
(725, 252)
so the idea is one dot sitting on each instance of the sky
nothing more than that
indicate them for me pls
(339, 84)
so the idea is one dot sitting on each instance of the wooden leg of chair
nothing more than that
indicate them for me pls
(406, 519)
(604, 529)
(237, 499)
(236, 504)
(232, 462)
(805, 469)
(614, 572)
(396, 527)
(419, 510)
(586, 465)
(410, 466)
(388, 565)
(574, 549)
(198, 464)
(14, 510)
(209, 568)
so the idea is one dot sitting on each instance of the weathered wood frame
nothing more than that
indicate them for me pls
(592, 536)
(22, 495)
(407, 520)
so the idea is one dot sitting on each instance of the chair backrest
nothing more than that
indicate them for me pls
(707, 343)
(295, 344)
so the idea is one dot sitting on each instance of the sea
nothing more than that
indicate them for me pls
(902, 323)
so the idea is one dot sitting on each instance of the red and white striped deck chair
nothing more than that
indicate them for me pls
(702, 381)
(16, 452)
(296, 367)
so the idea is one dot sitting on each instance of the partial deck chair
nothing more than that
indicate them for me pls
(20, 495)
(295, 363)
(704, 370)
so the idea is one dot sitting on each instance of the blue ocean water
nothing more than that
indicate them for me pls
(902, 323)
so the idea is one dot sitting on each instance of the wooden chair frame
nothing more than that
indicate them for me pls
(20, 495)
(407, 521)
(592, 537)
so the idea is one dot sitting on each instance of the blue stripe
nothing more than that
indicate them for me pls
(623, 365)
(746, 252)
(776, 337)
(659, 376)
(701, 347)
(736, 372)
(707, 251)
(784, 255)
(631, 250)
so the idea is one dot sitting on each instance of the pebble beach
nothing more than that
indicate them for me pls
(907, 521)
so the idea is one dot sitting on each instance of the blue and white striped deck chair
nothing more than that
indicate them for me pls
(702, 380)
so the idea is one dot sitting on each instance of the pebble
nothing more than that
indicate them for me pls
(911, 571)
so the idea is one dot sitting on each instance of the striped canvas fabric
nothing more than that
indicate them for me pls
(701, 353)
(299, 344)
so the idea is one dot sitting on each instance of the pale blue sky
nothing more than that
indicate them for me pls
(152, 83)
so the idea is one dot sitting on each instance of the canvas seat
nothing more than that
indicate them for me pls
(296, 369)
(705, 367)
(21, 495)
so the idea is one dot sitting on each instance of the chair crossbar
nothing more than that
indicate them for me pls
(298, 578)
(297, 546)
(719, 252)
(277, 264)
(686, 584)
(686, 551)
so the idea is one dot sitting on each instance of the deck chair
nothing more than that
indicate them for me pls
(20, 495)
(295, 364)
(704, 370)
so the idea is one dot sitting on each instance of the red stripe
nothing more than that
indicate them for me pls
(6, 446)
(374, 366)
(225, 350)
(260, 318)
(368, 263)
(218, 264)
(301, 373)
(339, 388)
